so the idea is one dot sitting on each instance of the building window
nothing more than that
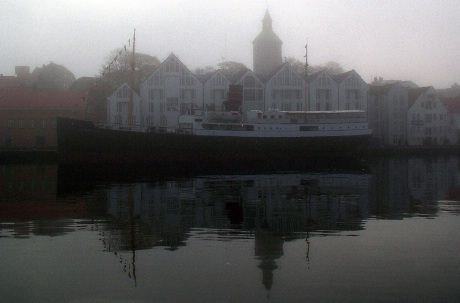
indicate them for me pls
(250, 81)
(150, 120)
(151, 107)
(32, 123)
(286, 106)
(122, 107)
(163, 121)
(259, 95)
(10, 123)
(43, 124)
(249, 95)
(172, 104)
(298, 94)
(40, 141)
(184, 108)
(428, 117)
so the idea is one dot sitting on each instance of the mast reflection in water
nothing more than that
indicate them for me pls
(284, 237)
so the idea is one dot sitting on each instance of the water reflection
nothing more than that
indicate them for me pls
(269, 210)
(413, 186)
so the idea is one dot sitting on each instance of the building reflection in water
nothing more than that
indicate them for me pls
(271, 209)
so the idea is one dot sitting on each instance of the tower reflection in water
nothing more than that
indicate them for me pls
(268, 209)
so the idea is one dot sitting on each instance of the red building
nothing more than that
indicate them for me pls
(28, 116)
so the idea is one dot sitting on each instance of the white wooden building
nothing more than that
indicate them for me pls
(322, 92)
(453, 109)
(215, 91)
(253, 92)
(387, 113)
(285, 90)
(118, 106)
(170, 91)
(427, 119)
(352, 91)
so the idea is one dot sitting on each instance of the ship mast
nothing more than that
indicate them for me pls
(307, 88)
(306, 61)
(133, 69)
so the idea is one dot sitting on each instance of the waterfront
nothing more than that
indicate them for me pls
(386, 232)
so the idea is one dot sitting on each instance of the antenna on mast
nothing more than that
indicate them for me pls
(223, 58)
(306, 60)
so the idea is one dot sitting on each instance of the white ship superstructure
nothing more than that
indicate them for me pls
(278, 124)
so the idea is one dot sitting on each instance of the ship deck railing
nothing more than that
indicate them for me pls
(139, 128)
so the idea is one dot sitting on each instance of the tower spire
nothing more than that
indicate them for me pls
(267, 21)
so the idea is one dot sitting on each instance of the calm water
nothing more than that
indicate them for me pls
(388, 232)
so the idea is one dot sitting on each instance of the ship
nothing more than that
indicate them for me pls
(223, 138)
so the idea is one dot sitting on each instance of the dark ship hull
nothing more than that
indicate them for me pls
(80, 142)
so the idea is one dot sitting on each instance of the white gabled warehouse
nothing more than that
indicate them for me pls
(170, 91)
(118, 106)
(427, 119)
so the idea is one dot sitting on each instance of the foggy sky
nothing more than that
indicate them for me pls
(407, 39)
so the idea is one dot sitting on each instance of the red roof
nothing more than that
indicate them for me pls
(452, 104)
(8, 81)
(27, 98)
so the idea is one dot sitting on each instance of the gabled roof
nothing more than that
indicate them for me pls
(28, 98)
(213, 74)
(136, 92)
(343, 76)
(312, 77)
(315, 75)
(280, 68)
(170, 56)
(252, 74)
(205, 77)
(415, 93)
(269, 77)
(234, 78)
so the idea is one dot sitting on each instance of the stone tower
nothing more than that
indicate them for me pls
(267, 54)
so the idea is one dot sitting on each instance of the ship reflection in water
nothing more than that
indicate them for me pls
(324, 236)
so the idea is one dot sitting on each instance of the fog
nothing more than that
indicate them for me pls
(407, 40)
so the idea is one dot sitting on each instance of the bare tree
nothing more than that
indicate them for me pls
(117, 66)
(299, 66)
(203, 71)
(232, 69)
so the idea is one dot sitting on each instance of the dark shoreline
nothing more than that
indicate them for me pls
(52, 155)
